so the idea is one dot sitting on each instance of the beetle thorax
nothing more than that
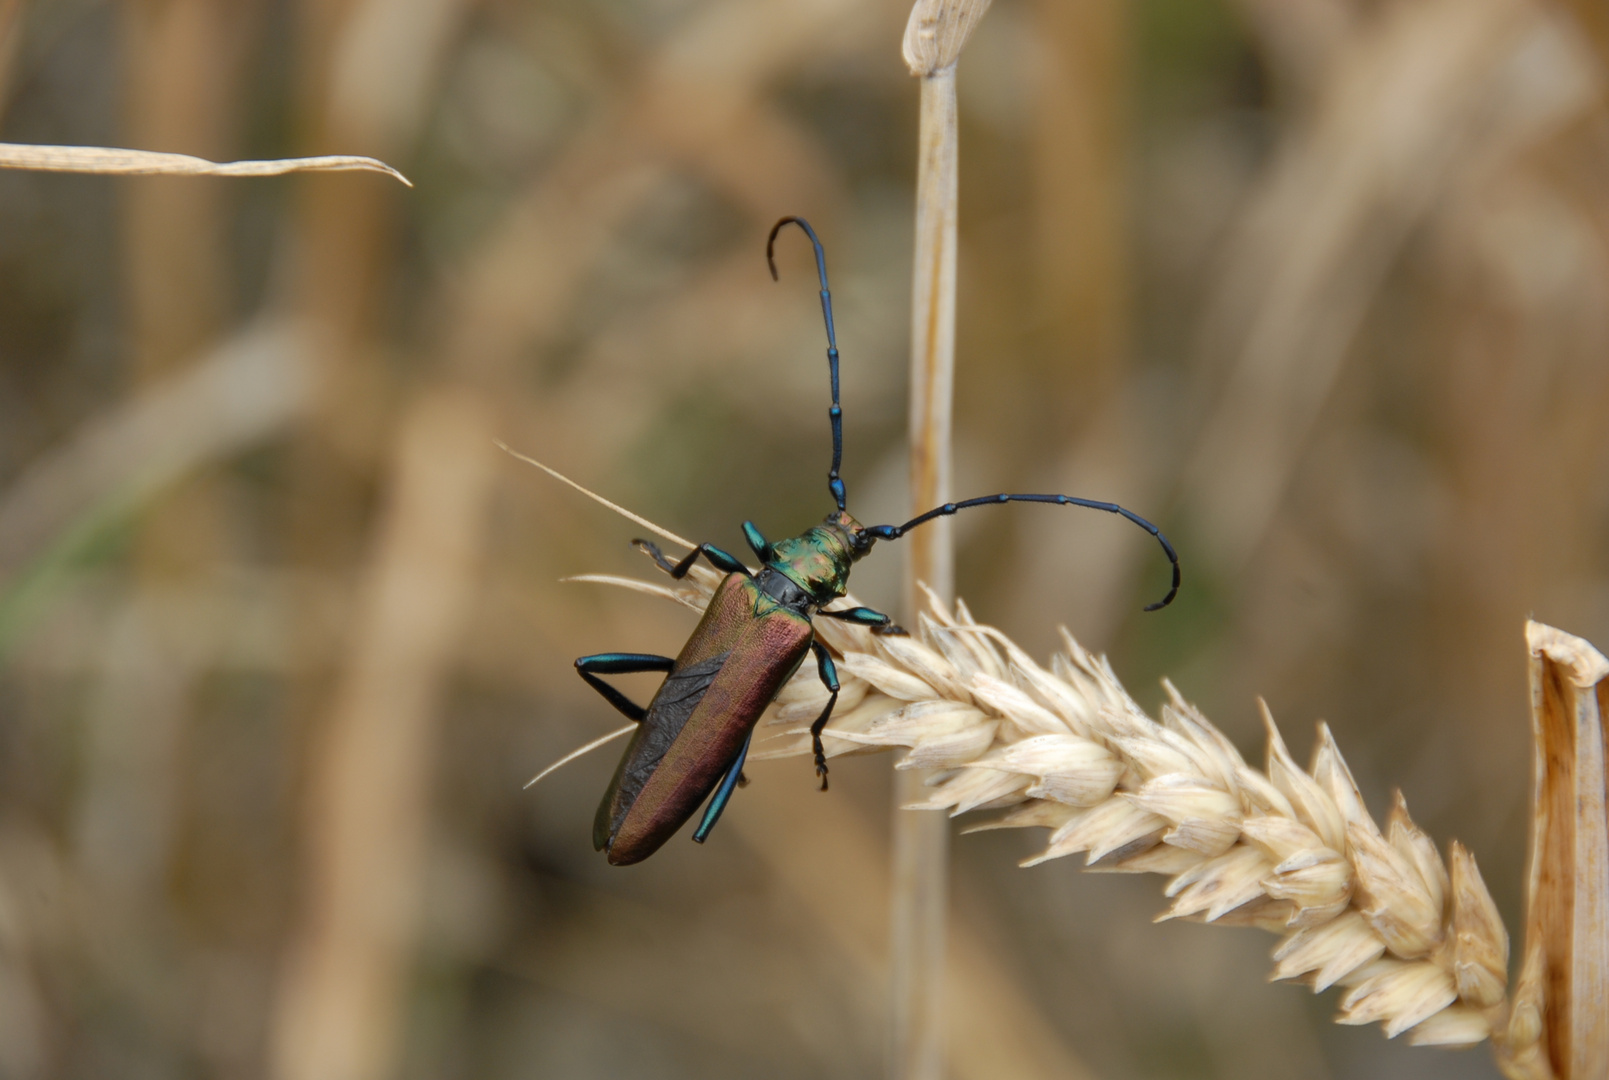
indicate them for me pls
(819, 560)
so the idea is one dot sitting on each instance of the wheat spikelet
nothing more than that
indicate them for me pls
(1417, 946)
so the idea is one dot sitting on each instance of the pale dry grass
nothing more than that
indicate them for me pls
(1558, 1027)
(116, 161)
(1416, 942)
(935, 34)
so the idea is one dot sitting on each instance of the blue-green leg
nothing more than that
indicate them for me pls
(865, 616)
(717, 806)
(616, 663)
(757, 542)
(829, 679)
(718, 559)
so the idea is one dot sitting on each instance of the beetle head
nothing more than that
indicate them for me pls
(856, 538)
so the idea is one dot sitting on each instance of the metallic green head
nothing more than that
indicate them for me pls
(819, 561)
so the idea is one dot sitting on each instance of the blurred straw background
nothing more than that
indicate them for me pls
(1320, 285)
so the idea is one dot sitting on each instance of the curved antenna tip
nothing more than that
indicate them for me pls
(1173, 558)
(771, 240)
(1165, 601)
(1172, 592)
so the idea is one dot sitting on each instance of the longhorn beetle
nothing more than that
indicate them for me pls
(694, 735)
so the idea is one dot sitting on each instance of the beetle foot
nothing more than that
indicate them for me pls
(891, 630)
(651, 549)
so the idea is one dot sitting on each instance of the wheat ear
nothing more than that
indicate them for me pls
(1417, 944)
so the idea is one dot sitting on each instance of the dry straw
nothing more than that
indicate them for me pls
(114, 161)
(935, 34)
(1414, 942)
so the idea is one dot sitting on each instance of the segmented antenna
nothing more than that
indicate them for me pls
(894, 532)
(834, 484)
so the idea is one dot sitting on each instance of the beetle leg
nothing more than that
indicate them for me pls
(829, 679)
(655, 554)
(718, 559)
(614, 663)
(757, 542)
(733, 777)
(865, 616)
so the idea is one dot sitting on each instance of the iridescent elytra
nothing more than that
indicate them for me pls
(691, 741)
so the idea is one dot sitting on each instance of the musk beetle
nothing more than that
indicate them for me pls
(693, 737)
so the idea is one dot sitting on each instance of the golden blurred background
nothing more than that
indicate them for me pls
(1318, 285)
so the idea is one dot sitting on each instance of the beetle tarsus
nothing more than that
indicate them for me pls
(891, 630)
(815, 741)
(651, 549)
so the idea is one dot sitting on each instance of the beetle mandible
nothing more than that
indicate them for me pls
(694, 735)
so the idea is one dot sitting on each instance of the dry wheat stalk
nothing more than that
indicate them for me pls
(935, 34)
(1417, 944)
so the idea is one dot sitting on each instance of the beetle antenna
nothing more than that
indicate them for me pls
(834, 484)
(894, 532)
